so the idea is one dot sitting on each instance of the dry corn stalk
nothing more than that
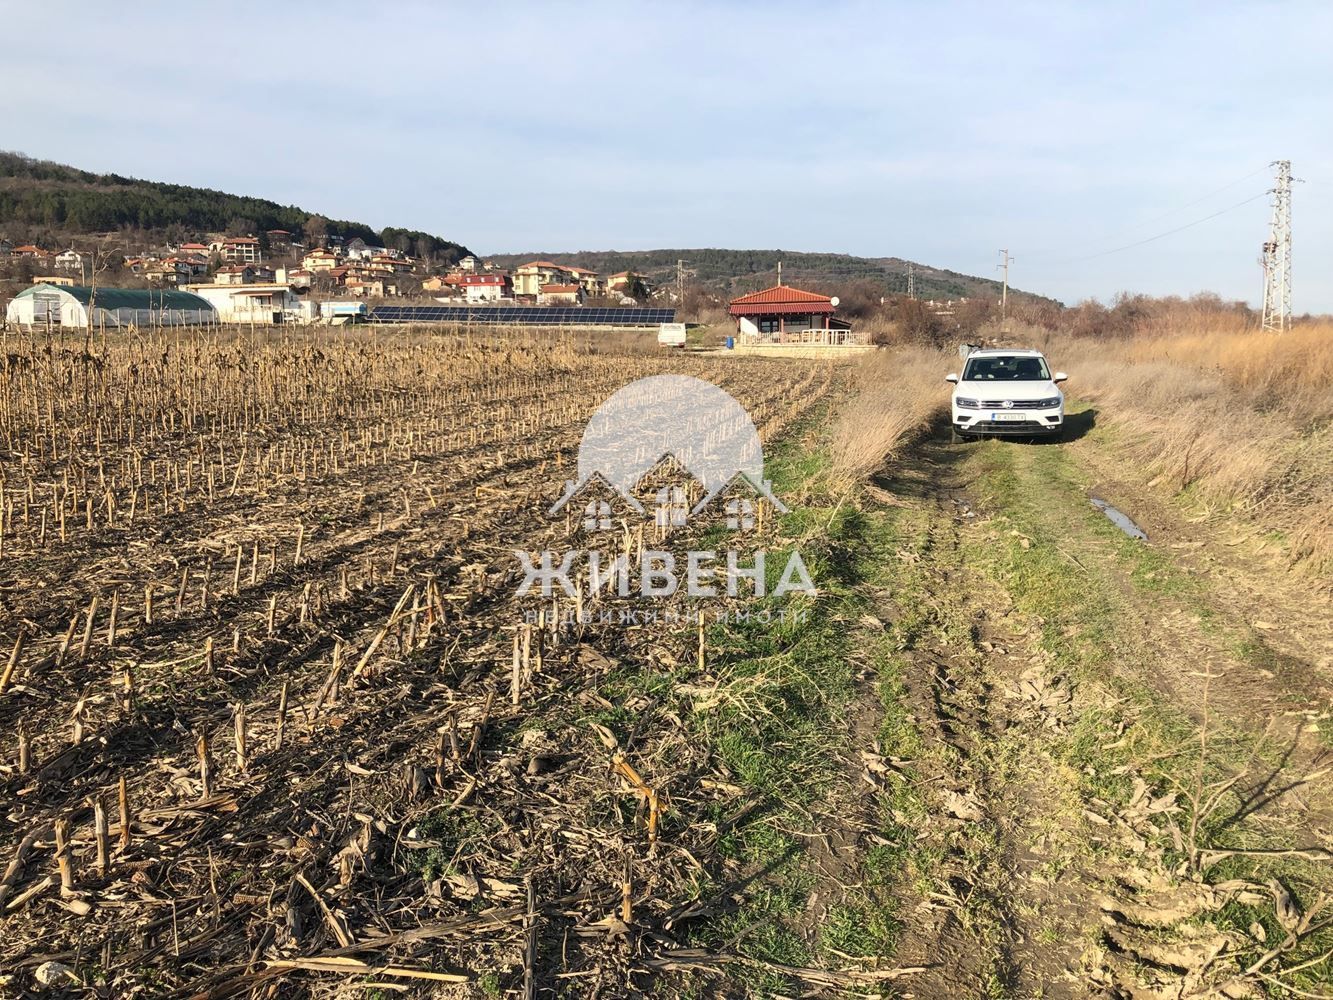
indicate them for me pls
(640, 788)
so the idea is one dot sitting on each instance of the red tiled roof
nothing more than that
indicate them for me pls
(485, 279)
(559, 289)
(239, 240)
(780, 299)
(543, 263)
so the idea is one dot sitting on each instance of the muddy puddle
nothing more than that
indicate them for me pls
(1120, 519)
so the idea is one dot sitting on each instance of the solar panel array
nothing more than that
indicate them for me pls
(522, 315)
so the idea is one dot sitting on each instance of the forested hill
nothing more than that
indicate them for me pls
(40, 199)
(738, 271)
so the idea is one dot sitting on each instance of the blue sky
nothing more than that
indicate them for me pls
(936, 132)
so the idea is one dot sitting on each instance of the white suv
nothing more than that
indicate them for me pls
(1007, 392)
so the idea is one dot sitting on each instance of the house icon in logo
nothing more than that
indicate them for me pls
(690, 444)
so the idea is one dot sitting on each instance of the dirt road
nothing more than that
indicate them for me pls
(1102, 761)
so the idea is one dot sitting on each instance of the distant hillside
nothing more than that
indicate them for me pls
(42, 199)
(738, 271)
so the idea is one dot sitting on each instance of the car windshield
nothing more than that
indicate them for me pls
(1001, 368)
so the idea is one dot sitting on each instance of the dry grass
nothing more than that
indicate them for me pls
(899, 392)
(1240, 418)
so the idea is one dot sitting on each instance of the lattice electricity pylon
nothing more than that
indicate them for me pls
(1276, 257)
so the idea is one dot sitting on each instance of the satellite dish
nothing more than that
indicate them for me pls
(833, 301)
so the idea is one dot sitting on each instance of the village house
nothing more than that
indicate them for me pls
(278, 239)
(369, 288)
(198, 265)
(468, 264)
(298, 278)
(69, 260)
(560, 295)
(193, 250)
(590, 281)
(439, 282)
(60, 280)
(238, 250)
(172, 271)
(385, 264)
(359, 249)
(487, 287)
(243, 274)
(787, 315)
(621, 284)
(33, 253)
(320, 260)
(530, 277)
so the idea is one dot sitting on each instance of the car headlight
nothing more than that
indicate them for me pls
(1043, 404)
(965, 404)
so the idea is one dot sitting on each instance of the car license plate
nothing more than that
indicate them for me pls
(999, 417)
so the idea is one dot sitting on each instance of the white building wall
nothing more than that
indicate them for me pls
(485, 293)
(234, 307)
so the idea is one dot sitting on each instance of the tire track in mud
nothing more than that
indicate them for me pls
(1000, 914)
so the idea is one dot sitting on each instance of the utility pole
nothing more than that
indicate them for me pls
(680, 281)
(779, 272)
(1006, 260)
(911, 280)
(1276, 259)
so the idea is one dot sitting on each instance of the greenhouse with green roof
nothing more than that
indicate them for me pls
(80, 306)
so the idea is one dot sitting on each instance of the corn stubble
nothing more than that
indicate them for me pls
(266, 689)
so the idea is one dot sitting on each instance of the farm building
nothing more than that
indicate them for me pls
(52, 305)
(266, 302)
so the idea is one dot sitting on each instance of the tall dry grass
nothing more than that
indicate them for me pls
(1242, 419)
(1292, 372)
(898, 393)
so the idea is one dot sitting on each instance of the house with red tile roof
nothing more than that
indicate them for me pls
(487, 287)
(320, 260)
(767, 314)
(590, 281)
(238, 250)
(560, 295)
(529, 277)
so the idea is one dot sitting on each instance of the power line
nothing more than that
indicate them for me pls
(1169, 232)
(1197, 201)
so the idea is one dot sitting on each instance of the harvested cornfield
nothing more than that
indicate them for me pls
(273, 714)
